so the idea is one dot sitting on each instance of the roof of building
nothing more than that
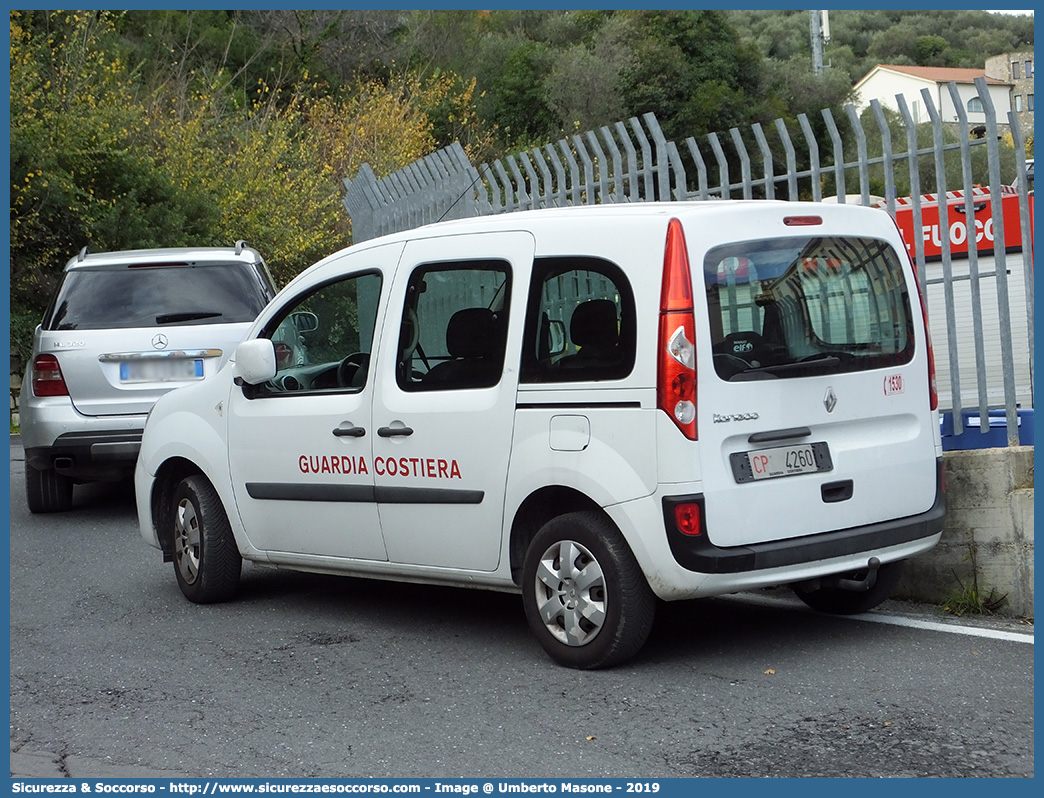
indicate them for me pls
(938, 74)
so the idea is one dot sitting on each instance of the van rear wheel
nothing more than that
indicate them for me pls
(207, 562)
(836, 601)
(586, 598)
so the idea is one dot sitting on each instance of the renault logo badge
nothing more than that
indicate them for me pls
(830, 400)
(159, 341)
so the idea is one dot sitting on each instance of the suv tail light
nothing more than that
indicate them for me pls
(676, 366)
(47, 377)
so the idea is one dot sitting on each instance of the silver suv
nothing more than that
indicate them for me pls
(122, 329)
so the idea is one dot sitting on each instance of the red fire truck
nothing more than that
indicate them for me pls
(963, 306)
(960, 229)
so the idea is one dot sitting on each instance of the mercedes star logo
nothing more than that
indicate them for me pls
(159, 341)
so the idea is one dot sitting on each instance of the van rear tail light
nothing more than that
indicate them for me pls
(933, 388)
(802, 221)
(47, 377)
(676, 364)
(687, 518)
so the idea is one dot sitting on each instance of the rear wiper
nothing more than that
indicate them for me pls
(170, 318)
(822, 363)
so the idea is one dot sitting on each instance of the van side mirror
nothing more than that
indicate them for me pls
(304, 321)
(255, 362)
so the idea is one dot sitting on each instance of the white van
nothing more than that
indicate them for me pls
(594, 406)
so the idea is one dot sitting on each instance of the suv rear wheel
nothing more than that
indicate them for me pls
(47, 491)
(586, 599)
(207, 562)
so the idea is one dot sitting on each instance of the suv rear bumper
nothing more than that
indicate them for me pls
(698, 554)
(89, 455)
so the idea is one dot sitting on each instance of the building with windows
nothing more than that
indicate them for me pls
(886, 81)
(1017, 70)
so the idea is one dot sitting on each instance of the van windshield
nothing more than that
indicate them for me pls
(796, 307)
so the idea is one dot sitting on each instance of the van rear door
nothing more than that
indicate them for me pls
(814, 408)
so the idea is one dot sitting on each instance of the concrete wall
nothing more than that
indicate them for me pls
(988, 538)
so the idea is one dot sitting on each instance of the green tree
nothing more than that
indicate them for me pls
(83, 167)
(691, 70)
(931, 50)
(518, 98)
(584, 86)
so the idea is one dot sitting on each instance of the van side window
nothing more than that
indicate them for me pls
(454, 326)
(580, 322)
(323, 339)
(796, 307)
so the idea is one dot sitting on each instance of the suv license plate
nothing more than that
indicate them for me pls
(165, 370)
(782, 461)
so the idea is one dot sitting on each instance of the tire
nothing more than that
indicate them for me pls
(585, 597)
(836, 601)
(207, 562)
(47, 491)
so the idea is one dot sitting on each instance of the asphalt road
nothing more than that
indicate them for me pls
(113, 672)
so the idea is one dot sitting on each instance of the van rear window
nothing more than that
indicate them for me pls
(794, 307)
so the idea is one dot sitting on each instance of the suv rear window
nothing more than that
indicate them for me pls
(147, 296)
(799, 306)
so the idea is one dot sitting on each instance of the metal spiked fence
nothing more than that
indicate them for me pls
(633, 161)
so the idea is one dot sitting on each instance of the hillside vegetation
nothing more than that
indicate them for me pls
(166, 128)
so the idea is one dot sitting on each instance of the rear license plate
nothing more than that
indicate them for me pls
(161, 370)
(781, 461)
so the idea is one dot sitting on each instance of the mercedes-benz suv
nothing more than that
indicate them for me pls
(122, 329)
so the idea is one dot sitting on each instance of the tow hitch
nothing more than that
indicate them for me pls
(853, 582)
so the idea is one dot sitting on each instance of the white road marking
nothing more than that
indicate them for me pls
(893, 620)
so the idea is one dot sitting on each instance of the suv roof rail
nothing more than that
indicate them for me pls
(82, 255)
(239, 246)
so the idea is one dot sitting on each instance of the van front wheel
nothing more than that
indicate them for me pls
(836, 601)
(207, 562)
(586, 598)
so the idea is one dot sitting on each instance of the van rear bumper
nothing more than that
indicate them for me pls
(697, 553)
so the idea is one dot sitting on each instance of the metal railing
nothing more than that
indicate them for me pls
(635, 162)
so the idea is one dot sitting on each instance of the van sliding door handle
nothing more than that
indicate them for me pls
(393, 432)
(349, 432)
(779, 435)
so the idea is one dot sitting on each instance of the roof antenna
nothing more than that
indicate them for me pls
(82, 255)
(461, 196)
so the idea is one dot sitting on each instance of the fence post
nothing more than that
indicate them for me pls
(813, 156)
(1027, 229)
(1000, 258)
(947, 266)
(766, 158)
(839, 157)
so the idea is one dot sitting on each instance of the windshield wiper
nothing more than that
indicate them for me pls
(171, 318)
(822, 363)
